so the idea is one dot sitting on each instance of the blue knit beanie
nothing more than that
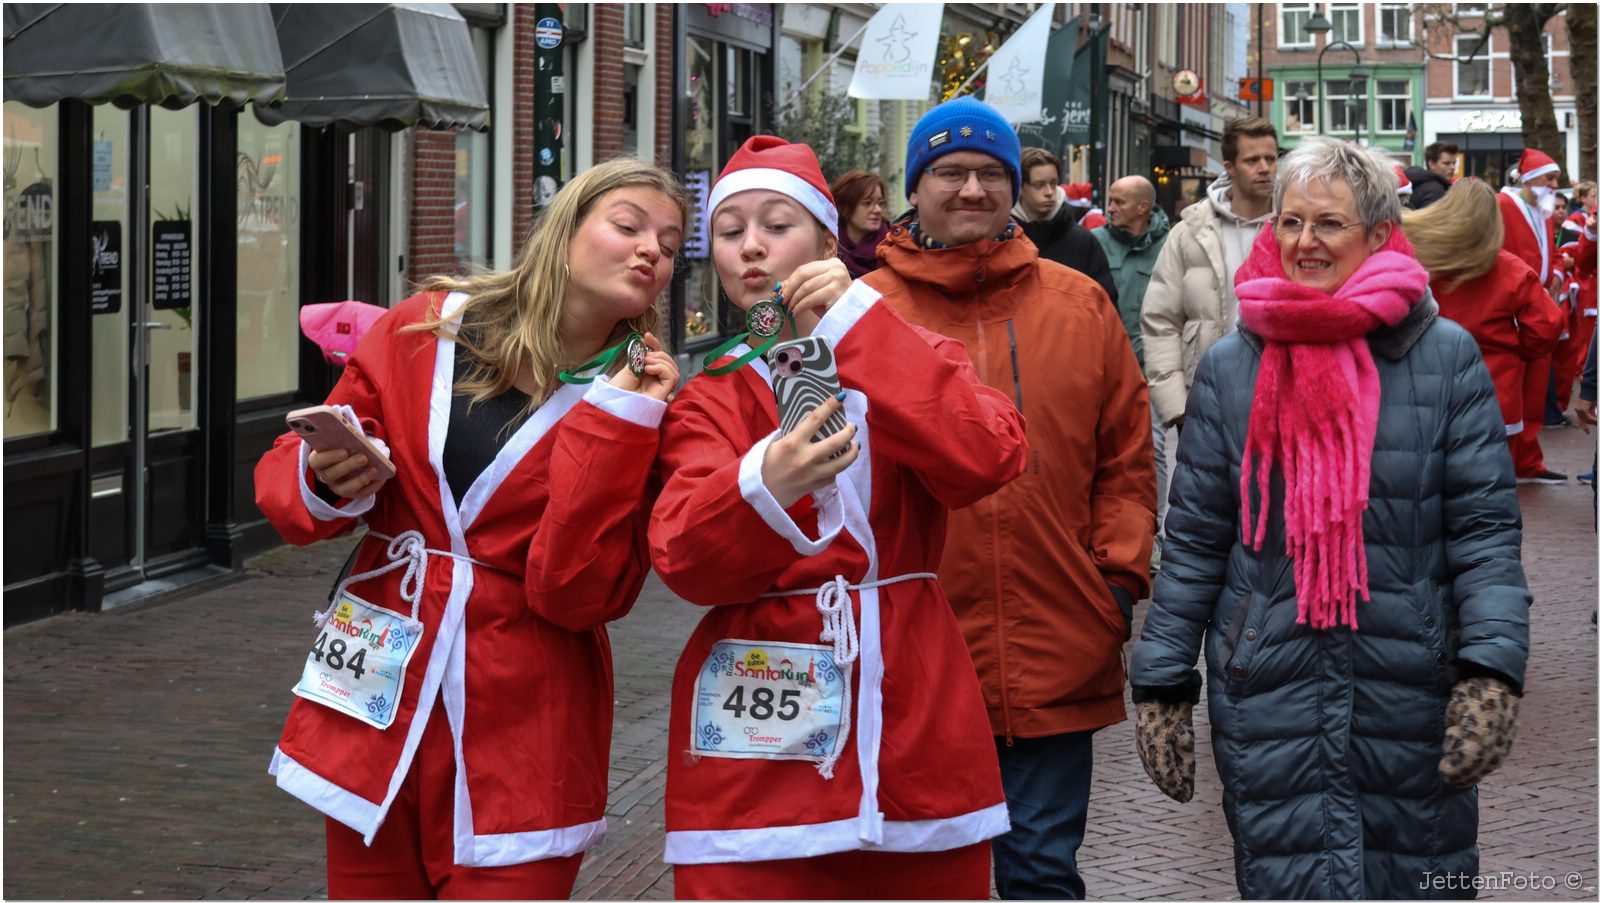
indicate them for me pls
(963, 124)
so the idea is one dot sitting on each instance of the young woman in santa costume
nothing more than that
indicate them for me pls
(512, 531)
(828, 735)
(1489, 291)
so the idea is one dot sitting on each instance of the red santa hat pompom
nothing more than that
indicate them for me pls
(771, 163)
(1405, 184)
(1078, 194)
(1535, 163)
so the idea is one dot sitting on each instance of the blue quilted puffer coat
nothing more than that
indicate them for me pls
(1328, 742)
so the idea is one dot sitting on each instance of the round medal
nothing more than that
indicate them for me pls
(636, 351)
(765, 319)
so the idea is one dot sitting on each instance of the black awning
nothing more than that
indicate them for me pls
(389, 64)
(171, 54)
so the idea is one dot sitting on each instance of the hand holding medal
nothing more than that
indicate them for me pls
(650, 370)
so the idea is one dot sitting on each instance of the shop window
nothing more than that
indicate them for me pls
(268, 358)
(1299, 106)
(110, 299)
(171, 319)
(701, 296)
(1394, 105)
(32, 147)
(1292, 26)
(1394, 24)
(473, 165)
(1472, 76)
(1347, 105)
(1346, 19)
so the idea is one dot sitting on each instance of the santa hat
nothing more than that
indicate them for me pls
(1078, 194)
(1094, 219)
(1405, 184)
(1576, 220)
(1535, 163)
(771, 163)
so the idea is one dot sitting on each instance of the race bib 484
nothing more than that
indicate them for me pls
(357, 665)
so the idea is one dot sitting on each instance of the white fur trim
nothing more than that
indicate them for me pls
(1588, 229)
(325, 796)
(830, 509)
(630, 406)
(1538, 171)
(1513, 428)
(1403, 190)
(846, 312)
(804, 841)
(320, 509)
(527, 846)
(781, 181)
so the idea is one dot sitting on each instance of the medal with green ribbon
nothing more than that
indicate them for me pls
(764, 320)
(632, 346)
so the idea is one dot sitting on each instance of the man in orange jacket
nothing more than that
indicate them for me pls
(1044, 573)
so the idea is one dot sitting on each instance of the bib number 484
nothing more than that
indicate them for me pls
(332, 654)
(761, 704)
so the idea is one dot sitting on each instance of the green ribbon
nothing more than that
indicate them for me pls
(752, 354)
(599, 363)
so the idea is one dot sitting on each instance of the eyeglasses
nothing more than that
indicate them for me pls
(952, 178)
(1323, 229)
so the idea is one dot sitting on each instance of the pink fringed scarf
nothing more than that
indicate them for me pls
(1315, 414)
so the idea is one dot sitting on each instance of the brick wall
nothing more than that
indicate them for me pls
(522, 138)
(664, 106)
(433, 201)
(607, 88)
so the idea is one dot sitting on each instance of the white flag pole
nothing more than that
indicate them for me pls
(975, 73)
(824, 68)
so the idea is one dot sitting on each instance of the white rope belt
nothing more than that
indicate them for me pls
(410, 550)
(839, 628)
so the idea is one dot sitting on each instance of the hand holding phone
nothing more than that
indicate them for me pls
(817, 442)
(803, 377)
(336, 445)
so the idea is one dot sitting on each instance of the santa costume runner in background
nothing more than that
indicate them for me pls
(1578, 292)
(828, 735)
(1531, 236)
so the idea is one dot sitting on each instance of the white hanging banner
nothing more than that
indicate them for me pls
(1016, 71)
(897, 56)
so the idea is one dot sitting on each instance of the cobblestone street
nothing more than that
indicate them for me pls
(136, 745)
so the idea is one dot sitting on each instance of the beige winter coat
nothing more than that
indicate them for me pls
(1190, 302)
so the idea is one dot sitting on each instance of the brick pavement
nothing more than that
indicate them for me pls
(136, 745)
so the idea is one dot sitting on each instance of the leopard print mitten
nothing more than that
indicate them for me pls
(1166, 746)
(1479, 724)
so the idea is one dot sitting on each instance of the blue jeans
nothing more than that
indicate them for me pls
(1047, 792)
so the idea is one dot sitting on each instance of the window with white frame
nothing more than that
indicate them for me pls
(638, 81)
(1467, 10)
(1346, 19)
(1299, 106)
(1472, 66)
(1347, 105)
(1394, 23)
(1292, 24)
(1394, 105)
(1549, 63)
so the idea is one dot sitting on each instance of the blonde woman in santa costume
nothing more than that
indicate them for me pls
(512, 531)
(828, 735)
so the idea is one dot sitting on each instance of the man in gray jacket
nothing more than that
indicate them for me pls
(1190, 302)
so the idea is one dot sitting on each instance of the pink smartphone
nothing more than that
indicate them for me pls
(324, 430)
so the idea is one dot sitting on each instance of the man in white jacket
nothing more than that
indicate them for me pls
(1190, 302)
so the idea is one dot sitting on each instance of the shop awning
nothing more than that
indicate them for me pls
(170, 54)
(389, 64)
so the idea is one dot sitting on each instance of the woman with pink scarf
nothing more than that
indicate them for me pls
(1344, 546)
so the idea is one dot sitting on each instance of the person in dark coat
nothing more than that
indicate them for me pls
(1344, 544)
(1429, 184)
(1050, 223)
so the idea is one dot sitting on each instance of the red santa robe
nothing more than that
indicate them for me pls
(545, 548)
(918, 770)
(1531, 237)
(1513, 320)
(1579, 294)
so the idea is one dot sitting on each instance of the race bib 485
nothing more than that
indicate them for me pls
(768, 700)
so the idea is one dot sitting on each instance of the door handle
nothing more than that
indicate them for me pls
(156, 325)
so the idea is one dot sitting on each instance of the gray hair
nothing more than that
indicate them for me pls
(1370, 176)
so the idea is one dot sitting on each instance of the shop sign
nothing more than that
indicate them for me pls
(697, 185)
(105, 271)
(170, 264)
(749, 24)
(1492, 121)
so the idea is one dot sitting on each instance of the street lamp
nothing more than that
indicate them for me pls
(1358, 74)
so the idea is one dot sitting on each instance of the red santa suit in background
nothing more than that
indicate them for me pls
(1513, 320)
(502, 788)
(1530, 235)
(1578, 298)
(857, 761)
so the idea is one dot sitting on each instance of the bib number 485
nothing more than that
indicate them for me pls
(761, 704)
(332, 654)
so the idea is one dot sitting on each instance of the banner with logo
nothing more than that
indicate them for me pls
(1063, 119)
(1015, 86)
(898, 52)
